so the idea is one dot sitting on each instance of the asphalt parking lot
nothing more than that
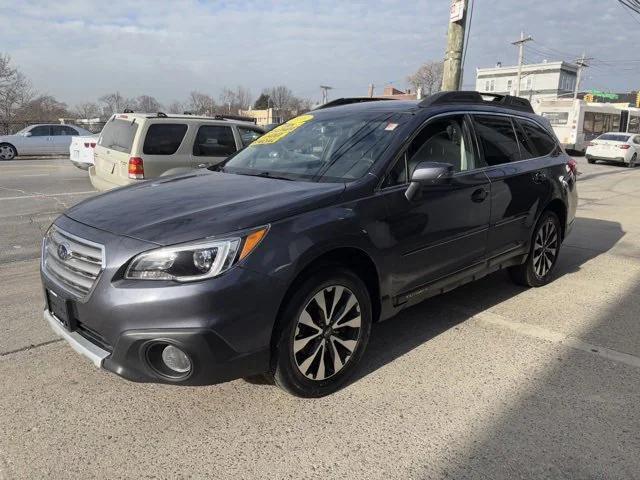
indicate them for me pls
(488, 381)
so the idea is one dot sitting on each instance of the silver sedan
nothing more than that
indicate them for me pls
(44, 139)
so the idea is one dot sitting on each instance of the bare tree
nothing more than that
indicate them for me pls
(15, 89)
(88, 110)
(201, 103)
(235, 100)
(428, 77)
(43, 107)
(115, 103)
(147, 103)
(281, 97)
(176, 107)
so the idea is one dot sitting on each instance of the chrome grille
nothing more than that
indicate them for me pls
(73, 262)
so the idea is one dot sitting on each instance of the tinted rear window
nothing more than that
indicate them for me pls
(613, 137)
(118, 135)
(214, 141)
(539, 139)
(164, 138)
(497, 138)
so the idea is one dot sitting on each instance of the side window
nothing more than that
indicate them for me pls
(69, 130)
(248, 135)
(498, 139)
(164, 138)
(527, 149)
(541, 140)
(214, 141)
(445, 140)
(40, 131)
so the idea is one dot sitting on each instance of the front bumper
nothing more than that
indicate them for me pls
(224, 324)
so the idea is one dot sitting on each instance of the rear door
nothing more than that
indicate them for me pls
(518, 183)
(61, 136)
(163, 148)
(212, 145)
(114, 148)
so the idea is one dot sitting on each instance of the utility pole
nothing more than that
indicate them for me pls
(520, 43)
(452, 74)
(325, 93)
(582, 64)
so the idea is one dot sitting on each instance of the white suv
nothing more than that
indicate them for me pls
(139, 146)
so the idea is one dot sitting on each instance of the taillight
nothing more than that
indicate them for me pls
(572, 166)
(86, 145)
(625, 147)
(136, 168)
(590, 144)
(89, 145)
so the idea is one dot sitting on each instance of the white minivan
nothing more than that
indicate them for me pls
(139, 146)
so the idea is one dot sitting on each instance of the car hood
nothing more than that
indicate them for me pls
(196, 205)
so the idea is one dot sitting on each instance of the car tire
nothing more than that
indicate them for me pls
(314, 355)
(543, 253)
(632, 162)
(7, 151)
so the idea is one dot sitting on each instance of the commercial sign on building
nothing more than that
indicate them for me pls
(457, 11)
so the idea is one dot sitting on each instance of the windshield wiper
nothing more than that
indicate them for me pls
(269, 175)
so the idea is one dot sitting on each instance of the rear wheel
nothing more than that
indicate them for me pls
(7, 151)
(543, 255)
(634, 159)
(322, 334)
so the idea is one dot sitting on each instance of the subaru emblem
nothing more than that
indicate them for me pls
(64, 251)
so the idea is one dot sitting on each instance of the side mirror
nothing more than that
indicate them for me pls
(27, 134)
(428, 173)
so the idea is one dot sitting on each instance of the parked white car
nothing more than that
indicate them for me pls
(44, 139)
(81, 150)
(133, 147)
(615, 147)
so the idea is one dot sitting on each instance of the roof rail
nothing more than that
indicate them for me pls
(473, 97)
(127, 110)
(162, 115)
(234, 117)
(349, 100)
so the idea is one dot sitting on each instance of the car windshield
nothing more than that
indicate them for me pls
(614, 137)
(325, 150)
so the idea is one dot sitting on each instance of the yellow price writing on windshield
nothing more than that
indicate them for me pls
(283, 130)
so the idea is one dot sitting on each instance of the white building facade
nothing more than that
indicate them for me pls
(548, 80)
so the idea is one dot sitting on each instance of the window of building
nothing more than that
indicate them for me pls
(529, 83)
(214, 141)
(164, 138)
(492, 87)
(498, 138)
(486, 86)
(509, 85)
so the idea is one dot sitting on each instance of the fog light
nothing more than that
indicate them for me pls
(175, 359)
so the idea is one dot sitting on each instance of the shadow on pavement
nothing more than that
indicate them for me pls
(417, 325)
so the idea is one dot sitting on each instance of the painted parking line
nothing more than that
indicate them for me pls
(43, 195)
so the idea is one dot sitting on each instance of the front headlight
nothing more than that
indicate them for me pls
(195, 260)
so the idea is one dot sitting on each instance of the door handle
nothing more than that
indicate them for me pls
(479, 195)
(539, 177)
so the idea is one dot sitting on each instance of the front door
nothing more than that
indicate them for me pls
(443, 230)
(39, 142)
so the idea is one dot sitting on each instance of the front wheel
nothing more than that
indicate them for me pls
(7, 151)
(322, 333)
(543, 255)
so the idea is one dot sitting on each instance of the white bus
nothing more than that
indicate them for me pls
(577, 122)
(630, 120)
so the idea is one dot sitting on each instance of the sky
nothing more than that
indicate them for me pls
(78, 50)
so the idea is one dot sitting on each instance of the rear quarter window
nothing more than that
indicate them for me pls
(164, 138)
(118, 135)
